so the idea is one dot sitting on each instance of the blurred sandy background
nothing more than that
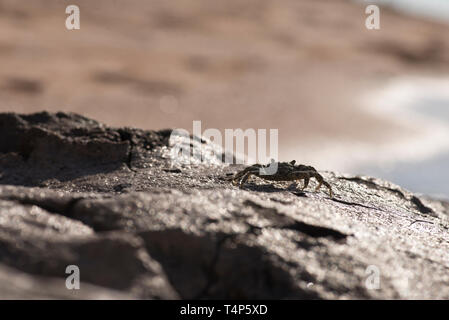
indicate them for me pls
(301, 66)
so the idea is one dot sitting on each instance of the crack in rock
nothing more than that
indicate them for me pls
(413, 199)
(285, 222)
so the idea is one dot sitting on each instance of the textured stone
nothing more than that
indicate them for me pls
(136, 225)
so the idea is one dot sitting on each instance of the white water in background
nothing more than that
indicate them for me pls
(423, 104)
(436, 9)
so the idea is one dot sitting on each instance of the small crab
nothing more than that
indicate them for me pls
(286, 171)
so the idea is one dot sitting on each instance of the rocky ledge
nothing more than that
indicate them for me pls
(76, 192)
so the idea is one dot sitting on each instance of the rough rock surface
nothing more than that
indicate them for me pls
(75, 192)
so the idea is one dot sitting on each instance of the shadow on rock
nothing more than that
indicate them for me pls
(42, 146)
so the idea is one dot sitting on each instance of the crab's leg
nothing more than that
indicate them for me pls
(236, 179)
(321, 181)
(302, 175)
(306, 175)
(331, 194)
(306, 183)
(245, 178)
(238, 176)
